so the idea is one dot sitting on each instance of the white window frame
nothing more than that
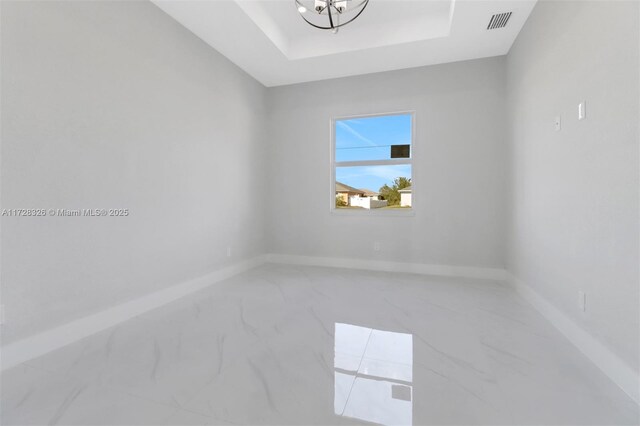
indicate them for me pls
(396, 161)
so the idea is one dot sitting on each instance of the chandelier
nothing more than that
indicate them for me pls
(330, 14)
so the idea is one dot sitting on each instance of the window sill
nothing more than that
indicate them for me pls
(374, 212)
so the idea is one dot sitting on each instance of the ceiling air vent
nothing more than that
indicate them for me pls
(499, 20)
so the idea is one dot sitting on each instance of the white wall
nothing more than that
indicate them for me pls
(405, 199)
(573, 221)
(115, 105)
(459, 170)
(366, 202)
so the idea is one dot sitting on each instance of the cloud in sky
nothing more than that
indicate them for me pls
(354, 132)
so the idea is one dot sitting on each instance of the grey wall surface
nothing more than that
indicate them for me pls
(115, 105)
(573, 222)
(458, 170)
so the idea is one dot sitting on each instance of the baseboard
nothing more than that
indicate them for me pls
(610, 364)
(34, 346)
(50, 340)
(387, 266)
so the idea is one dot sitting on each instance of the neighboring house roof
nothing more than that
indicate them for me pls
(341, 187)
(369, 193)
(407, 189)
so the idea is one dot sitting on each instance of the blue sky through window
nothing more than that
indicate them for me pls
(371, 177)
(370, 138)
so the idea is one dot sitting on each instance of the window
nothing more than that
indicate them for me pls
(371, 162)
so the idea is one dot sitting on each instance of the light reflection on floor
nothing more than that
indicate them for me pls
(263, 348)
(373, 375)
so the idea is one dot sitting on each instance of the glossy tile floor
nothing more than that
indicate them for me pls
(303, 345)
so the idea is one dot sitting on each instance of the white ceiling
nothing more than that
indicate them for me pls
(383, 23)
(271, 42)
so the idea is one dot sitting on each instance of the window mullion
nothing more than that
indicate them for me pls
(373, 163)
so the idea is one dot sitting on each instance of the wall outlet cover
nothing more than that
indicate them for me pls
(582, 110)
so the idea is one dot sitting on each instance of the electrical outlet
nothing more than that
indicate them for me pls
(229, 251)
(582, 300)
(558, 123)
(376, 246)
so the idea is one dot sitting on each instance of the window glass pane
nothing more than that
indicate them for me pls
(374, 187)
(372, 138)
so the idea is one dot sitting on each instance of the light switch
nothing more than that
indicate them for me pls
(558, 123)
(582, 110)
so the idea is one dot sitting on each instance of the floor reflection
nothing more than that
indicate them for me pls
(373, 372)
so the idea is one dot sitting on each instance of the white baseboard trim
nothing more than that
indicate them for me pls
(31, 347)
(386, 266)
(610, 364)
(34, 346)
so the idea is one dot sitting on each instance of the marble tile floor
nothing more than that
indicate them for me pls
(307, 345)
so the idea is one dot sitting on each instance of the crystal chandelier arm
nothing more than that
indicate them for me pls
(364, 4)
(330, 17)
(361, 5)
